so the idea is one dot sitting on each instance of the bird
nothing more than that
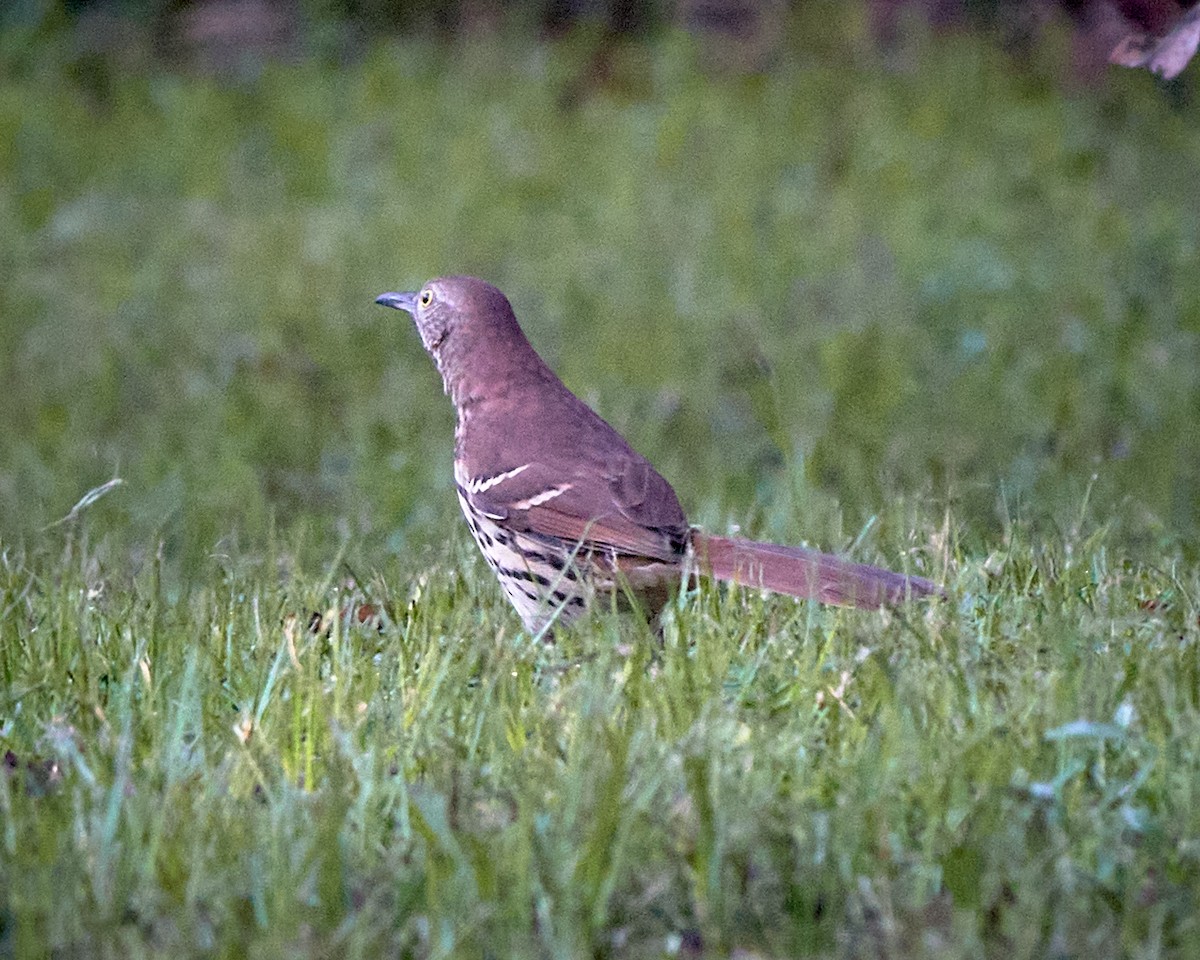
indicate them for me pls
(562, 508)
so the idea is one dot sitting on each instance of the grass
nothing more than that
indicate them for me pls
(944, 317)
(1010, 774)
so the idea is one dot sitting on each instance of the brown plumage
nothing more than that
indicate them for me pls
(561, 506)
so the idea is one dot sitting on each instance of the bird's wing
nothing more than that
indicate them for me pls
(621, 505)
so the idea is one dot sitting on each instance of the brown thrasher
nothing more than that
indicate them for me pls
(561, 506)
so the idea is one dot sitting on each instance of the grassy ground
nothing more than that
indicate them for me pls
(942, 314)
(1010, 775)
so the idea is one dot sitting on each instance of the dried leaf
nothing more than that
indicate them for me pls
(1166, 55)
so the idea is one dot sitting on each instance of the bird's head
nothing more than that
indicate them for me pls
(466, 326)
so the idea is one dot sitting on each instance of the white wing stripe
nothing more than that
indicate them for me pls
(539, 498)
(480, 484)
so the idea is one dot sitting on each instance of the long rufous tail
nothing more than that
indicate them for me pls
(807, 574)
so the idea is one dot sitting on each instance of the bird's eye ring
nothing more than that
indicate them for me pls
(426, 297)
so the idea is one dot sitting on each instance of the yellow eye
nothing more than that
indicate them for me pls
(426, 297)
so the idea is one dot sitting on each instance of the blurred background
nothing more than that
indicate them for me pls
(821, 261)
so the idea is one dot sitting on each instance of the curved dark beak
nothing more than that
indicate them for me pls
(399, 301)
